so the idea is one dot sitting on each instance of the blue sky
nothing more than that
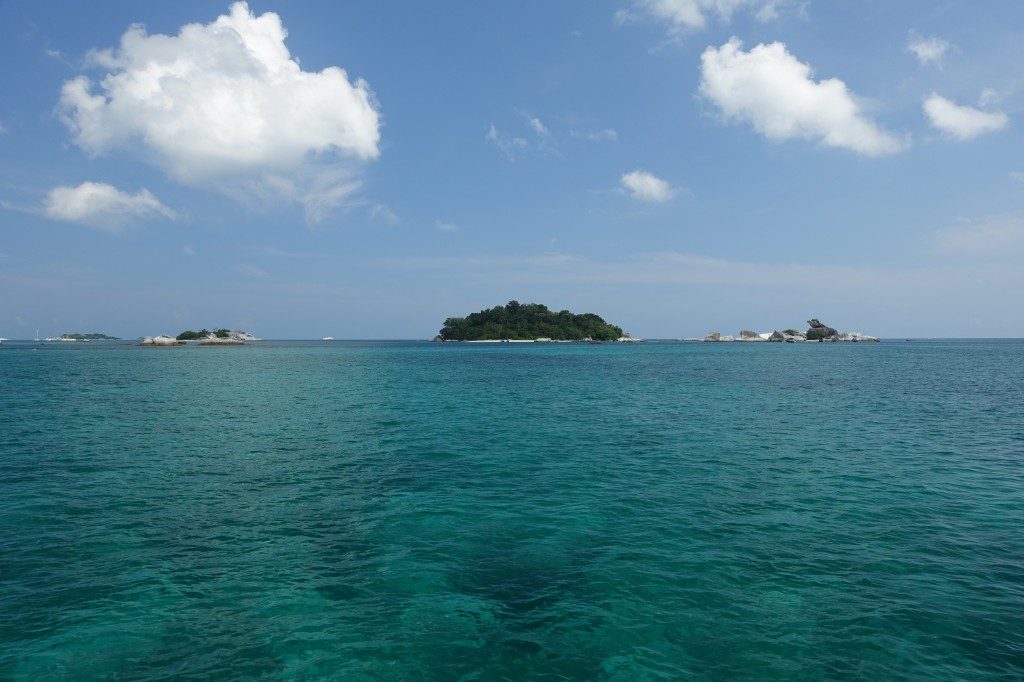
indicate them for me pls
(676, 166)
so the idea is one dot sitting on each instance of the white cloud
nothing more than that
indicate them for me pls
(445, 226)
(1001, 235)
(769, 10)
(226, 103)
(961, 121)
(647, 187)
(1017, 175)
(250, 271)
(322, 190)
(554, 260)
(383, 213)
(188, 250)
(690, 15)
(603, 135)
(538, 127)
(284, 253)
(102, 205)
(3, 128)
(508, 144)
(775, 92)
(927, 50)
(988, 97)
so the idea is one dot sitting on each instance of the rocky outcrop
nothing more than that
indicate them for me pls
(820, 332)
(786, 337)
(817, 332)
(161, 340)
(857, 336)
(214, 340)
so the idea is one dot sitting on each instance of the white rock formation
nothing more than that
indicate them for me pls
(161, 340)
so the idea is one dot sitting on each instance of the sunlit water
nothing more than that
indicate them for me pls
(453, 511)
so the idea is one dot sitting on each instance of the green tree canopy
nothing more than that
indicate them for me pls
(189, 335)
(527, 321)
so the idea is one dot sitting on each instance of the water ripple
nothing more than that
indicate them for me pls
(449, 512)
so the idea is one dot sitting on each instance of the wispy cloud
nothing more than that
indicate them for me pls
(993, 236)
(538, 127)
(384, 214)
(687, 16)
(510, 145)
(537, 135)
(764, 289)
(250, 271)
(660, 267)
(927, 50)
(483, 262)
(284, 253)
(446, 226)
(103, 206)
(603, 135)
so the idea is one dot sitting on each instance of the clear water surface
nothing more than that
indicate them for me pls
(416, 511)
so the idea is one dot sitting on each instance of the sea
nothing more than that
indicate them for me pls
(450, 511)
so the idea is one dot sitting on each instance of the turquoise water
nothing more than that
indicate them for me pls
(449, 511)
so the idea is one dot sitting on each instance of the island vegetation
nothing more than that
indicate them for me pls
(77, 336)
(189, 335)
(528, 321)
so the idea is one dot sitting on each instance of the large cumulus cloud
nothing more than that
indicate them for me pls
(777, 94)
(225, 103)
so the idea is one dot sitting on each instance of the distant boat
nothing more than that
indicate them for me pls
(327, 338)
(2, 339)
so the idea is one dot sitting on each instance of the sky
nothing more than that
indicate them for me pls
(367, 169)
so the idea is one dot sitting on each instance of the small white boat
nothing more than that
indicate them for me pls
(327, 338)
(2, 339)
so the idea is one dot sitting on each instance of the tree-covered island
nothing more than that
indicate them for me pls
(77, 336)
(528, 321)
(189, 335)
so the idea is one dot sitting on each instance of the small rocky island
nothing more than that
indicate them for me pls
(203, 337)
(816, 331)
(78, 336)
(529, 322)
